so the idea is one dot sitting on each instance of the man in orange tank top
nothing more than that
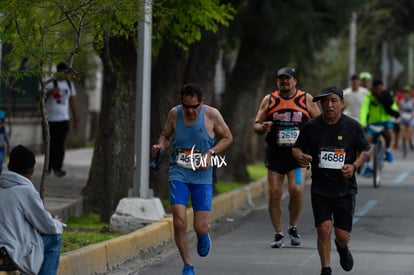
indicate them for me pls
(280, 116)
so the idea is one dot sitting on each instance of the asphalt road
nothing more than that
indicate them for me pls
(382, 238)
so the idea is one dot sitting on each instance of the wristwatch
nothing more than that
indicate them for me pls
(212, 152)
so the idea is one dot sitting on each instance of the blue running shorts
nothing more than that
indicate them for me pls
(387, 125)
(201, 194)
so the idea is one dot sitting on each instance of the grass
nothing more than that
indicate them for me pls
(83, 231)
(257, 170)
(87, 229)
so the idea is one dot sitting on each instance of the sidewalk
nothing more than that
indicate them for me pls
(63, 195)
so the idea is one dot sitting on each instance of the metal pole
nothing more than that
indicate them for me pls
(410, 61)
(143, 104)
(352, 44)
(385, 65)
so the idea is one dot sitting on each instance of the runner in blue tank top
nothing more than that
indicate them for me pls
(197, 133)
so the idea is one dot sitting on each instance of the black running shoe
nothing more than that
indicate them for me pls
(295, 238)
(59, 173)
(278, 242)
(345, 257)
(326, 271)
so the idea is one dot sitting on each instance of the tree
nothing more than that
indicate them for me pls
(177, 24)
(34, 39)
(273, 34)
(383, 21)
(43, 28)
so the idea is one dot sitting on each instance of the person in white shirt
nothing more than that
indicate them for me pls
(353, 96)
(60, 98)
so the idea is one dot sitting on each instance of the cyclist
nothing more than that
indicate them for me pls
(378, 108)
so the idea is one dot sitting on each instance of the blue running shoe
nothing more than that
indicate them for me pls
(188, 270)
(203, 245)
(388, 155)
(367, 172)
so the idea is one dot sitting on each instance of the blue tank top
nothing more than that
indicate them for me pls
(190, 142)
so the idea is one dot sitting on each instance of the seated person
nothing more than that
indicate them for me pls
(378, 108)
(30, 235)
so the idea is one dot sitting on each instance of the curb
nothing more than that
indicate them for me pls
(102, 257)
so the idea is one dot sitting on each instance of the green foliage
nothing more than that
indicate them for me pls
(83, 231)
(257, 170)
(182, 22)
(47, 32)
(223, 187)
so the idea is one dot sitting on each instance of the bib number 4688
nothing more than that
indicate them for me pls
(332, 159)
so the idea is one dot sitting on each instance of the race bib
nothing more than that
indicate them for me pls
(188, 159)
(287, 136)
(332, 158)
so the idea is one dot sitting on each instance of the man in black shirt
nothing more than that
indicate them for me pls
(334, 145)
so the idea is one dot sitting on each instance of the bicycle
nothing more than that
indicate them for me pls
(378, 153)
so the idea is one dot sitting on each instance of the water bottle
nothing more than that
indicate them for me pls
(155, 163)
(298, 176)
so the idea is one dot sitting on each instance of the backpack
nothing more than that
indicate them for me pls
(387, 99)
(55, 84)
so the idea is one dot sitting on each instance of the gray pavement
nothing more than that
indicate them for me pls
(63, 196)
(382, 241)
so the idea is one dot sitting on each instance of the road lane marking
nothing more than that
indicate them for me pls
(364, 210)
(401, 177)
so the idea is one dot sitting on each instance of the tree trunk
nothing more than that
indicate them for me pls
(245, 89)
(201, 65)
(112, 169)
(167, 78)
(240, 104)
(173, 68)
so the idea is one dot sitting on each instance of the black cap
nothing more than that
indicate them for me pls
(329, 91)
(287, 71)
(21, 159)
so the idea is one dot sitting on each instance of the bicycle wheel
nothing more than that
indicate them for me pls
(378, 159)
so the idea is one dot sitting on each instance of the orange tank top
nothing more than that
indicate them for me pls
(287, 115)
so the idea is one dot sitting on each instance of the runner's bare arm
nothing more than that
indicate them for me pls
(313, 107)
(260, 125)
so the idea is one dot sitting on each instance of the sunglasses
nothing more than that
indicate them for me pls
(190, 106)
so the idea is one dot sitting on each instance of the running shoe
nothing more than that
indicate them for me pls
(326, 271)
(278, 242)
(295, 239)
(388, 155)
(367, 172)
(203, 245)
(188, 270)
(345, 257)
(59, 173)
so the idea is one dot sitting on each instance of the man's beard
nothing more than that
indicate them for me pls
(284, 90)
